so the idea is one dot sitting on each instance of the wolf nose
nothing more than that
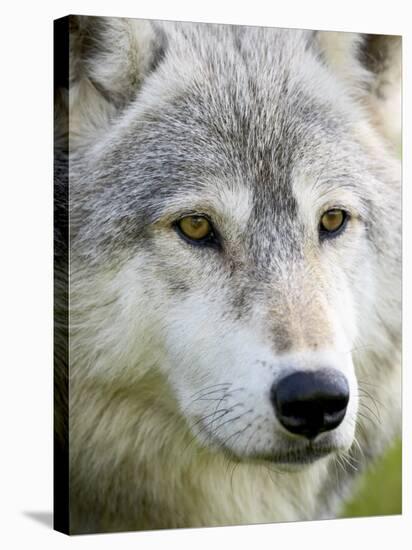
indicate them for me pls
(309, 403)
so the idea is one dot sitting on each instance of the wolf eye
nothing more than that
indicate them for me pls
(332, 223)
(196, 228)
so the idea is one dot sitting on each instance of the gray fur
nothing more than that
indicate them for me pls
(200, 113)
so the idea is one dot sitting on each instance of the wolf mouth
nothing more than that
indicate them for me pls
(301, 456)
(306, 455)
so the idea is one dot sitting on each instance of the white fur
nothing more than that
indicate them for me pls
(156, 375)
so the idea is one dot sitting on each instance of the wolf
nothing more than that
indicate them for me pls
(228, 270)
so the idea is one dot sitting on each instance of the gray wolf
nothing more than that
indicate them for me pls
(234, 289)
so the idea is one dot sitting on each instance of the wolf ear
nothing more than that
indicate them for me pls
(109, 60)
(372, 67)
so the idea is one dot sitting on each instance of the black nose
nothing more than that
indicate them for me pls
(309, 403)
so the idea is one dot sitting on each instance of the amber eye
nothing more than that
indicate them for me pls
(332, 222)
(195, 228)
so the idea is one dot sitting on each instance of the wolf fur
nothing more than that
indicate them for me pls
(173, 348)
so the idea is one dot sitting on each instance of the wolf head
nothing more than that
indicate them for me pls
(235, 224)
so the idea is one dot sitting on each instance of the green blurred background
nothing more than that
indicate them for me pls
(380, 489)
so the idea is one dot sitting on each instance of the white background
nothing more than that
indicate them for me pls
(26, 272)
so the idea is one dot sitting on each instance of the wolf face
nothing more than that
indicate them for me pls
(233, 231)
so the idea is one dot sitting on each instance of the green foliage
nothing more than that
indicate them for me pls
(380, 491)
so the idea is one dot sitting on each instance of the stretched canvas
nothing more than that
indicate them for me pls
(227, 274)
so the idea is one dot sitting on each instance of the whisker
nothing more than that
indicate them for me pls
(209, 398)
(358, 445)
(238, 434)
(218, 386)
(340, 463)
(361, 427)
(335, 469)
(372, 398)
(345, 458)
(222, 399)
(363, 382)
(367, 418)
(233, 419)
(378, 419)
